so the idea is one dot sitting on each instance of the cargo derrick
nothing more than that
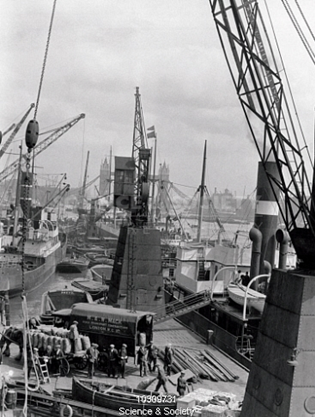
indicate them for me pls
(281, 381)
(41, 146)
(137, 281)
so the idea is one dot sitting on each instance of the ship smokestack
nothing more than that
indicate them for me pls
(266, 214)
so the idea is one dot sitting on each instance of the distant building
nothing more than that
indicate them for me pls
(164, 172)
(162, 204)
(224, 201)
(105, 178)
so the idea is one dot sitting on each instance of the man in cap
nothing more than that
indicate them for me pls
(152, 356)
(60, 363)
(112, 361)
(161, 377)
(73, 334)
(168, 359)
(181, 384)
(92, 354)
(142, 360)
(123, 357)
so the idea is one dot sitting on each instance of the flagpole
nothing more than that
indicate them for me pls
(153, 186)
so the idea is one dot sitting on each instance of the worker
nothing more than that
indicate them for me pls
(112, 361)
(238, 277)
(48, 355)
(60, 360)
(161, 377)
(74, 335)
(92, 354)
(245, 279)
(142, 360)
(168, 359)
(33, 323)
(152, 356)
(30, 364)
(123, 358)
(181, 384)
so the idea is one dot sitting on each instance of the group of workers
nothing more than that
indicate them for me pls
(114, 360)
(147, 361)
(148, 355)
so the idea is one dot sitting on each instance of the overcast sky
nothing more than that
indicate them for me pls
(101, 50)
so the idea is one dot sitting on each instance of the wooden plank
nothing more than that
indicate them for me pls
(224, 368)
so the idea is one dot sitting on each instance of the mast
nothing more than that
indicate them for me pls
(202, 190)
(153, 135)
(17, 200)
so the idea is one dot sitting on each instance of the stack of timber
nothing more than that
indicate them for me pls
(203, 364)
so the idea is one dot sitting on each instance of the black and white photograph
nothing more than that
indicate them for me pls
(157, 203)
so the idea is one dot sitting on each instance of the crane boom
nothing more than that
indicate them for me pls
(256, 78)
(15, 131)
(40, 147)
(83, 189)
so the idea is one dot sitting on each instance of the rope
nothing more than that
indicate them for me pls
(304, 18)
(290, 91)
(45, 59)
(299, 30)
(26, 190)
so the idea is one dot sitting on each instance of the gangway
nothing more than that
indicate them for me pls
(182, 306)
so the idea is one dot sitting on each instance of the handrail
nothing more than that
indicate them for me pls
(248, 288)
(177, 305)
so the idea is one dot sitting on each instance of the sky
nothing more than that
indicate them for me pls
(101, 50)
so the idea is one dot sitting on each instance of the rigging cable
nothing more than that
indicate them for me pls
(304, 18)
(305, 146)
(299, 30)
(28, 179)
(45, 59)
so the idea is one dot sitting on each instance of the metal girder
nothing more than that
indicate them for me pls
(256, 78)
(40, 147)
(142, 157)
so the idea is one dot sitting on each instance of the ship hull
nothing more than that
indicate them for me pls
(40, 269)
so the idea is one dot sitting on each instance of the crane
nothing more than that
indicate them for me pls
(15, 131)
(259, 87)
(137, 281)
(88, 184)
(40, 147)
(83, 189)
(288, 316)
(142, 156)
(8, 129)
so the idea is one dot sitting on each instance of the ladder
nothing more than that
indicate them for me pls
(43, 369)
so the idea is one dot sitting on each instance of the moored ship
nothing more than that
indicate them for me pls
(43, 248)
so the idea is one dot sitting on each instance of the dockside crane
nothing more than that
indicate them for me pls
(84, 186)
(281, 379)
(137, 281)
(15, 131)
(44, 144)
(142, 156)
(257, 81)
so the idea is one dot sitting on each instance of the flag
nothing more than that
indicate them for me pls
(151, 135)
(151, 128)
